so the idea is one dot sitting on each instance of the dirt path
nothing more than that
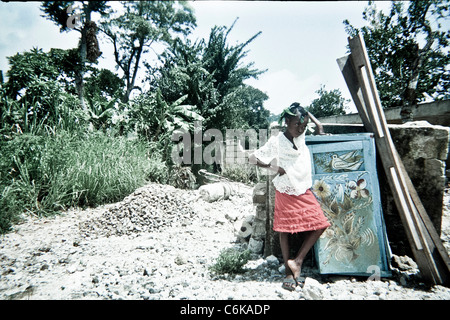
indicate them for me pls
(114, 252)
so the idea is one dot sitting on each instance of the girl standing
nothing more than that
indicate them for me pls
(296, 207)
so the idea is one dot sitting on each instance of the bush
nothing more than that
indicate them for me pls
(231, 261)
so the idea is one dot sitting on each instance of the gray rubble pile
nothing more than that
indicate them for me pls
(148, 209)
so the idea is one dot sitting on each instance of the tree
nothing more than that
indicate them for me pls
(329, 103)
(224, 63)
(69, 67)
(41, 85)
(26, 66)
(212, 76)
(65, 15)
(34, 84)
(156, 120)
(103, 85)
(143, 25)
(246, 108)
(182, 72)
(408, 50)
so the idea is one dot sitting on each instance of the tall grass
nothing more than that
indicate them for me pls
(43, 174)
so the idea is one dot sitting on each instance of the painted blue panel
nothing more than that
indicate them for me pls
(345, 182)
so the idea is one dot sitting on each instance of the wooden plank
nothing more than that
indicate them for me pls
(430, 266)
(353, 83)
(427, 245)
(346, 66)
(404, 207)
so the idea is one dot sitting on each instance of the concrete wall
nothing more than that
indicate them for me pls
(437, 112)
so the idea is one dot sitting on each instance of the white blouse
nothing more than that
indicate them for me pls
(296, 163)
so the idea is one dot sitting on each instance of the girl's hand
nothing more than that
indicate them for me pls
(281, 171)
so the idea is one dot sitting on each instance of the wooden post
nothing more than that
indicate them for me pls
(272, 243)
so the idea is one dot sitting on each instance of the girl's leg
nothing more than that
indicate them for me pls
(289, 282)
(310, 238)
(284, 244)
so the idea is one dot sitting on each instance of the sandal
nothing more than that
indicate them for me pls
(289, 284)
(300, 281)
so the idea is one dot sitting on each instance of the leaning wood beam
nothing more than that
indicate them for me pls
(346, 66)
(423, 244)
(430, 255)
(355, 89)
(389, 161)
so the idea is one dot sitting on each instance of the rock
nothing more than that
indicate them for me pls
(72, 268)
(282, 269)
(260, 211)
(403, 263)
(403, 280)
(272, 261)
(180, 260)
(221, 221)
(258, 264)
(259, 228)
(149, 208)
(312, 289)
(232, 216)
(249, 218)
(243, 229)
(215, 191)
(259, 193)
(255, 246)
(423, 148)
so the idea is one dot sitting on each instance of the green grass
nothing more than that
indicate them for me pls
(42, 175)
(231, 261)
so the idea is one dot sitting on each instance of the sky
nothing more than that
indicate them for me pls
(299, 43)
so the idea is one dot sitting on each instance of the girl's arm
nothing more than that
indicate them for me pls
(253, 160)
(319, 126)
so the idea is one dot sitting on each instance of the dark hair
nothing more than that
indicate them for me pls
(295, 110)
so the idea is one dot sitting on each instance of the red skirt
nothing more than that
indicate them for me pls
(298, 213)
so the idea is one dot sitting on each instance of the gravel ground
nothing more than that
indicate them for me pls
(158, 244)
